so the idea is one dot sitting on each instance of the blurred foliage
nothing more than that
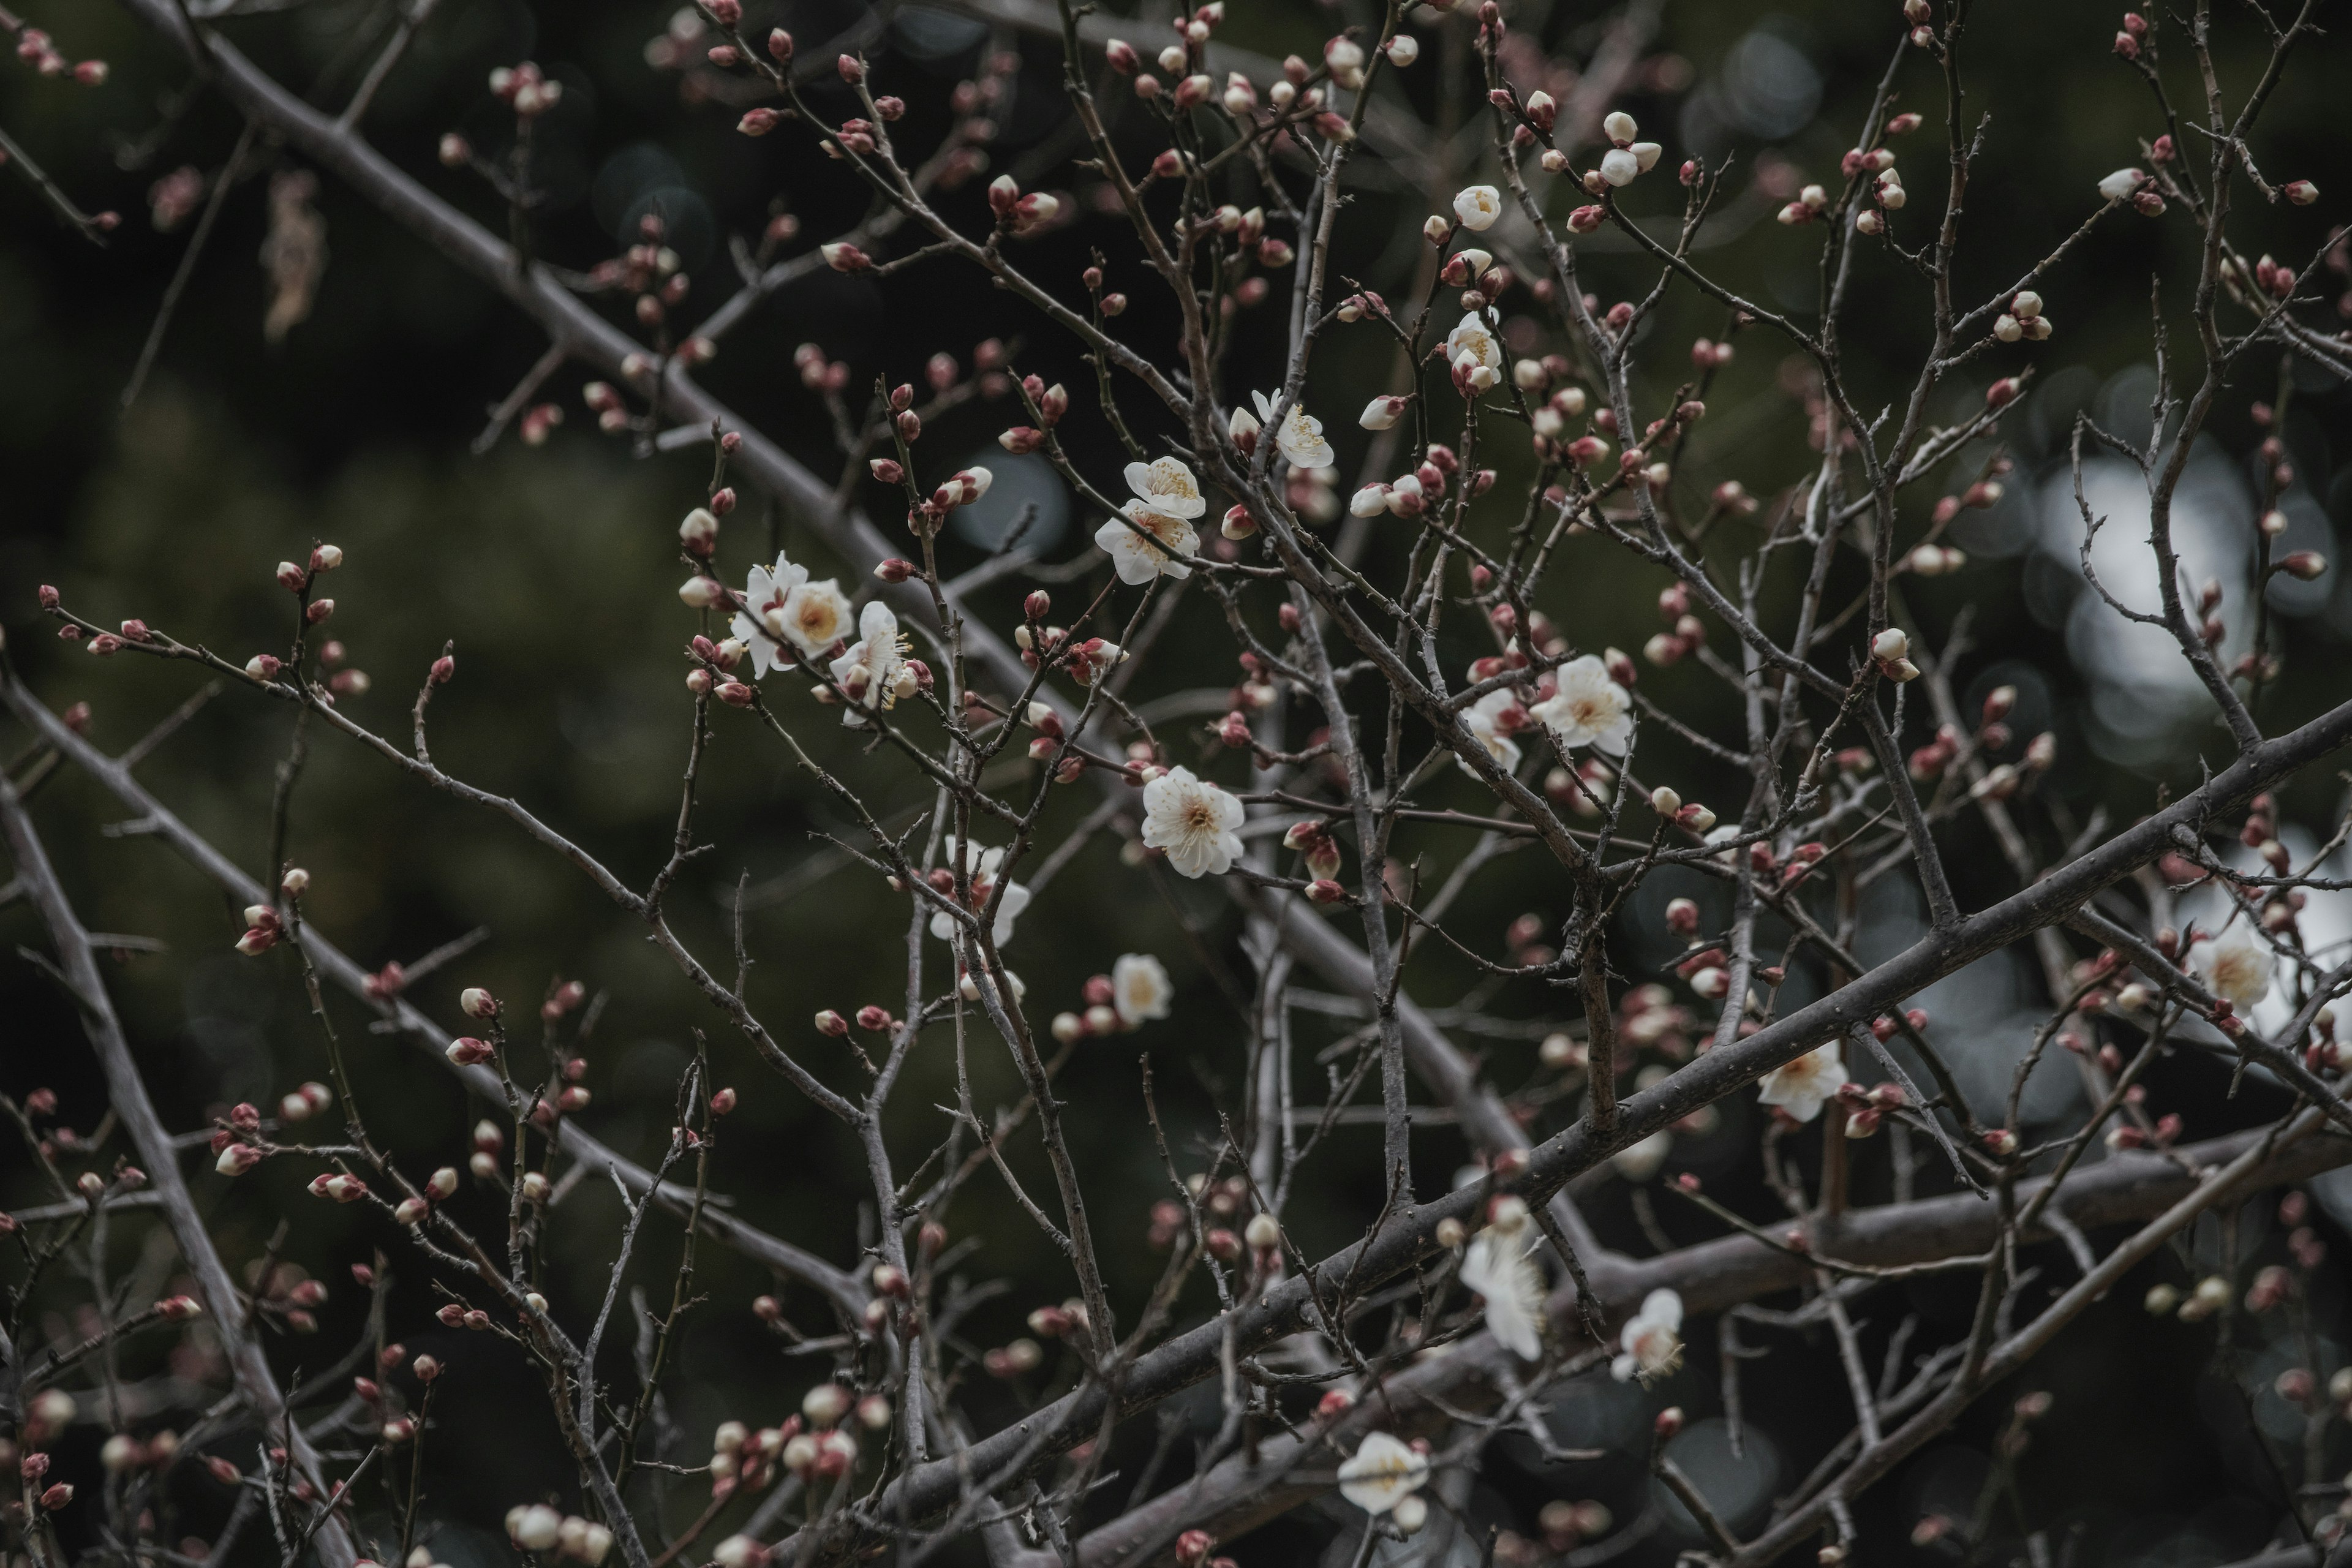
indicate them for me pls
(552, 570)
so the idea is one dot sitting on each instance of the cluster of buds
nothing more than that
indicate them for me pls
(262, 929)
(305, 1102)
(1017, 213)
(2135, 186)
(122, 1452)
(1866, 1107)
(535, 1527)
(527, 89)
(33, 1469)
(1586, 791)
(2023, 318)
(1810, 203)
(1890, 650)
(1015, 1358)
(2129, 35)
(36, 48)
(1626, 158)
(1687, 634)
(1565, 1525)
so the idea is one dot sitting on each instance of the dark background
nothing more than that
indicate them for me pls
(553, 570)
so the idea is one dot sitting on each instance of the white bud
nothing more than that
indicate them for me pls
(1619, 127)
(1890, 644)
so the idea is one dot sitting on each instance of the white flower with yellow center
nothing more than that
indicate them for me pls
(1383, 1473)
(1145, 542)
(1169, 486)
(1801, 1087)
(1474, 340)
(1300, 435)
(1139, 989)
(872, 674)
(1650, 1346)
(1588, 708)
(2236, 964)
(1193, 822)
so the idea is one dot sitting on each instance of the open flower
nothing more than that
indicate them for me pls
(1300, 435)
(814, 619)
(1472, 340)
(1139, 988)
(1478, 206)
(1169, 486)
(1491, 721)
(1499, 1264)
(1801, 1087)
(874, 673)
(1589, 709)
(765, 593)
(1193, 821)
(1651, 1346)
(1383, 1473)
(1148, 543)
(2236, 965)
(984, 865)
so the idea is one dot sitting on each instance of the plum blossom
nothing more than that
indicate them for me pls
(984, 867)
(1650, 1346)
(1383, 1473)
(874, 673)
(1478, 206)
(1499, 1264)
(1129, 542)
(1193, 822)
(1300, 437)
(1801, 1087)
(1486, 719)
(1589, 708)
(1474, 340)
(782, 605)
(1169, 487)
(2236, 965)
(1139, 988)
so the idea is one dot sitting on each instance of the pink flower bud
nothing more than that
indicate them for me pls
(468, 1051)
(852, 69)
(829, 1022)
(779, 44)
(759, 123)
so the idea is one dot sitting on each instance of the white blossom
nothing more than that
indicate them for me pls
(1139, 989)
(1589, 709)
(1478, 206)
(2236, 965)
(984, 867)
(2119, 186)
(1382, 412)
(1300, 438)
(782, 605)
(1650, 1346)
(1193, 821)
(1135, 557)
(1169, 486)
(1499, 1264)
(1369, 501)
(1618, 166)
(1383, 1473)
(1483, 718)
(873, 673)
(1801, 1087)
(1619, 126)
(1474, 340)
